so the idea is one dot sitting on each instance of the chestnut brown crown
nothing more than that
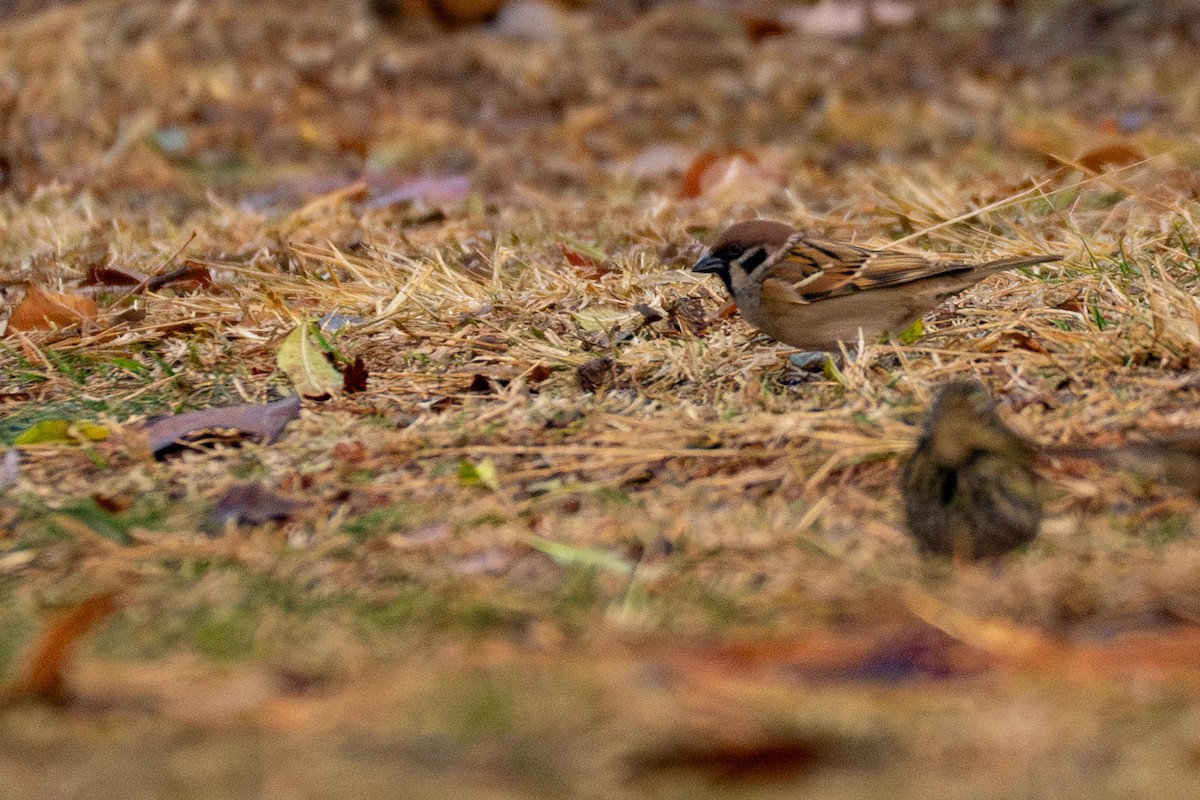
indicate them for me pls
(747, 244)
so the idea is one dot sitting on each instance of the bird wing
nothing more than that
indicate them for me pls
(811, 269)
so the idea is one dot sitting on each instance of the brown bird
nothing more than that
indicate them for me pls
(969, 488)
(814, 293)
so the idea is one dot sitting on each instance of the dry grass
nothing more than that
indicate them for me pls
(703, 493)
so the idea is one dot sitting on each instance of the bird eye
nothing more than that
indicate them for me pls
(734, 250)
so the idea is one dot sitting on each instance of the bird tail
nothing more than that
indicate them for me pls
(1019, 261)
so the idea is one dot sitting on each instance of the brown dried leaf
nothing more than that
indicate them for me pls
(538, 373)
(190, 272)
(728, 310)
(354, 377)
(587, 266)
(760, 24)
(1026, 342)
(1112, 155)
(687, 315)
(43, 311)
(265, 421)
(594, 374)
(576, 258)
(109, 275)
(252, 503)
(1073, 304)
(43, 676)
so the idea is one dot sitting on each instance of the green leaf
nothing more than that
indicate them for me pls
(603, 319)
(306, 366)
(912, 333)
(63, 431)
(832, 373)
(129, 364)
(591, 557)
(481, 474)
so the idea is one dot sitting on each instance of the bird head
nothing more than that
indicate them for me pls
(743, 247)
(963, 423)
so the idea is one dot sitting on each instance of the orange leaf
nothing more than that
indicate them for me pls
(589, 267)
(691, 185)
(760, 25)
(709, 167)
(1112, 155)
(45, 311)
(43, 675)
(576, 258)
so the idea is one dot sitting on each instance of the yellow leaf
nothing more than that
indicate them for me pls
(306, 366)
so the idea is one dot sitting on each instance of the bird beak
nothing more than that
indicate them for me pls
(709, 263)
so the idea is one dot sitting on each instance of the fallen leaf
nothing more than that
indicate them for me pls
(306, 366)
(265, 420)
(481, 474)
(590, 557)
(443, 190)
(43, 677)
(252, 503)
(44, 311)
(912, 333)
(538, 373)
(1113, 155)
(698, 178)
(190, 272)
(1026, 342)
(354, 377)
(603, 319)
(759, 24)
(1073, 304)
(594, 374)
(650, 314)
(109, 275)
(62, 430)
(586, 264)
(687, 315)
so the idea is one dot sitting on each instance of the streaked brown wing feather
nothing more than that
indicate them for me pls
(818, 268)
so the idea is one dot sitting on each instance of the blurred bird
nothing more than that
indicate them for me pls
(813, 293)
(969, 488)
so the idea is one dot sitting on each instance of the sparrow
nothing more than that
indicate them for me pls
(815, 293)
(970, 489)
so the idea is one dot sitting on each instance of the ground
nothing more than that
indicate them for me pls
(584, 532)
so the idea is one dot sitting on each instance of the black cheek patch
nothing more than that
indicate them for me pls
(753, 260)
